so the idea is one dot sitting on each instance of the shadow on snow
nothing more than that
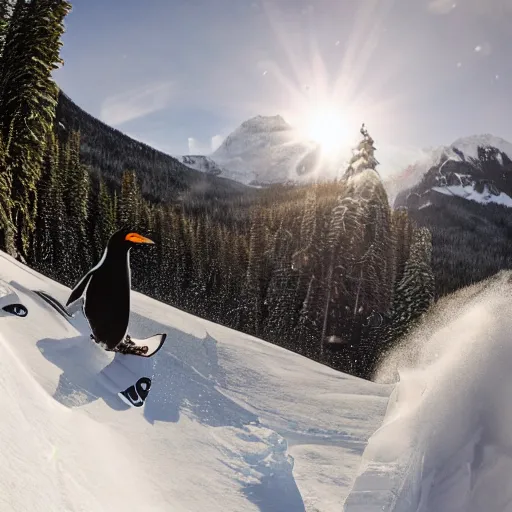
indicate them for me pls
(186, 378)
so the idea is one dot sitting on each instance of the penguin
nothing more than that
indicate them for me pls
(106, 290)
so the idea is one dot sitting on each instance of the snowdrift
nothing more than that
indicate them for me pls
(231, 423)
(446, 442)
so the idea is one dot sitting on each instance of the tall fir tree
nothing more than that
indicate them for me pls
(414, 294)
(130, 201)
(280, 294)
(6, 226)
(105, 219)
(363, 156)
(43, 256)
(5, 15)
(341, 255)
(28, 99)
(255, 277)
(76, 197)
(403, 230)
(176, 261)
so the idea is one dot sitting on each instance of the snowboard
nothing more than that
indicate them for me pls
(128, 375)
(153, 343)
(10, 303)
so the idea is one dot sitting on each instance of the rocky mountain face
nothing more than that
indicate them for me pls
(463, 194)
(202, 163)
(474, 168)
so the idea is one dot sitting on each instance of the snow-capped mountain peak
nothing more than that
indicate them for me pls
(477, 168)
(266, 149)
(264, 124)
(469, 145)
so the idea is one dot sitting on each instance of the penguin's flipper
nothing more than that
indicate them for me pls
(79, 288)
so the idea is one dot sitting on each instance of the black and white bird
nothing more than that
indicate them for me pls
(106, 290)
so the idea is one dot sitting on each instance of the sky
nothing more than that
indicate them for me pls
(180, 75)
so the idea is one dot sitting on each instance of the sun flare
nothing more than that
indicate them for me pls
(328, 128)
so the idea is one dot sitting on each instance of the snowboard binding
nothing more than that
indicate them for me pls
(127, 346)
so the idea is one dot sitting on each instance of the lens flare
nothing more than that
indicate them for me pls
(328, 128)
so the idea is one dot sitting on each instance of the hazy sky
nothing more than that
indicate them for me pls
(182, 74)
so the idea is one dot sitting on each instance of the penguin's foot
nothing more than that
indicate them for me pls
(104, 346)
(127, 346)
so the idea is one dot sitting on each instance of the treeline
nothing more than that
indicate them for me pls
(328, 270)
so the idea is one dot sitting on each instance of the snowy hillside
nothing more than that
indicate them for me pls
(266, 150)
(446, 443)
(231, 423)
(458, 169)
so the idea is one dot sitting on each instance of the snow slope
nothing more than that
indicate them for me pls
(468, 192)
(231, 424)
(446, 442)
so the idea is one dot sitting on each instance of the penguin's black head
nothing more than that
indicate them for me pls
(126, 239)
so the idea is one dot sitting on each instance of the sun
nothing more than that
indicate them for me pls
(329, 128)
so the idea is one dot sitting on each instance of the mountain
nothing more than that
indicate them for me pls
(109, 152)
(477, 168)
(202, 163)
(266, 150)
(231, 424)
(462, 194)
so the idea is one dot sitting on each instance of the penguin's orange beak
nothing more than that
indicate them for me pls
(138, 239)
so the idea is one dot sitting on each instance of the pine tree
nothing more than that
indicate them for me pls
(142, 260)
(6, 226)
(176, 261)
(341, 275)
(302, 258)
(413, 296)
(280, 295)
(403, 231)
(379, 254)
(28, 99)
(5, 15)
(76, 198)
(415, 292)
(363, 156)
(200, 264)
(235, 281)
(255, 277)
(44, 237)
(105, 220)
(159, 271)
(309, 325)
(130, 201)
(305, 262)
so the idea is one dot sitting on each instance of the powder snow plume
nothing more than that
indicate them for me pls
(446, 443)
